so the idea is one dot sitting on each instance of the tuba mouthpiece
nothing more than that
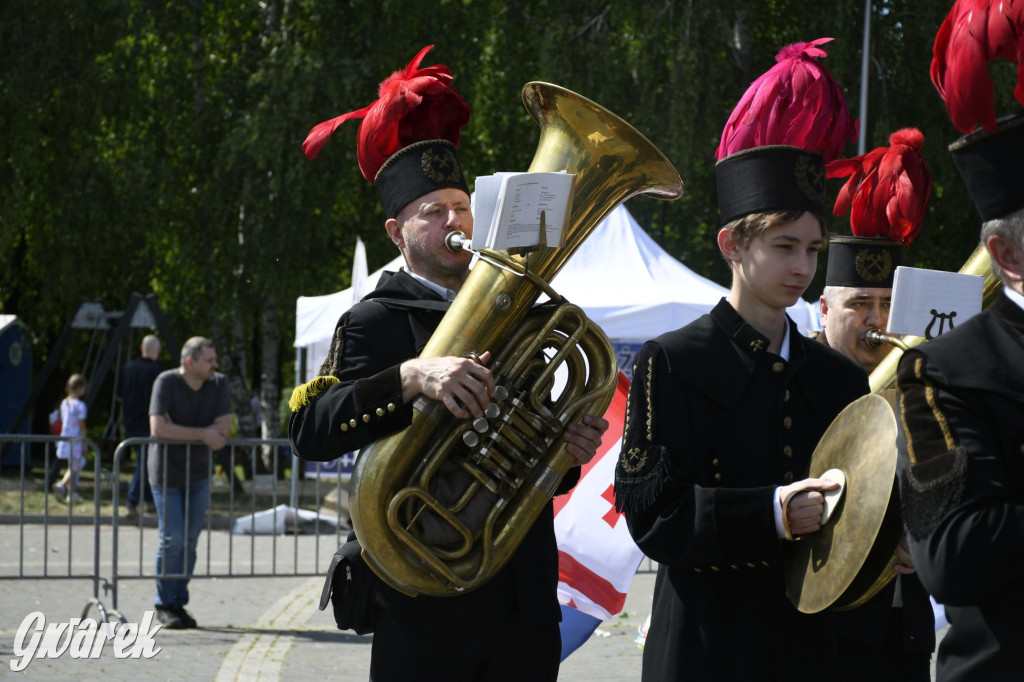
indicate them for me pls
(874, 338)
(456, 241)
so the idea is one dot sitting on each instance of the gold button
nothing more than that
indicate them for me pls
(765, 564)
(787, 451)
(718, 478)
(352, 423)
(380, 411)
(778, 367)
(735, 567)
(751, 565)
(714, 462)
(366, 419)
(344, 427)
(714, 568)
(785, 396)
(788, 478)
(391, 407)
(697, 570)
(787, 422)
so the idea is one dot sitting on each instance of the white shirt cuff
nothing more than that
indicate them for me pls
(780, 529)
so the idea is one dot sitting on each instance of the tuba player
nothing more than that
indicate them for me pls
(508, 628)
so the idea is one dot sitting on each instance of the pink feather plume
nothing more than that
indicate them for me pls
(796, 102)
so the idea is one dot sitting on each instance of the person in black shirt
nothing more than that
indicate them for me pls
(134, 386)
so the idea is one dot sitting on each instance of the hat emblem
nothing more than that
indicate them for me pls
(873, 265)
(441, 166)
(810, 178)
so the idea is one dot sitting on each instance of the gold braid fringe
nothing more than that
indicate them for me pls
(306, 392)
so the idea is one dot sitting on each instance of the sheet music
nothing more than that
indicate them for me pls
(929, 303)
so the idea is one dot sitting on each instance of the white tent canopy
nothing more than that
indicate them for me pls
(623, 280)
(635, 290)
(631, 286)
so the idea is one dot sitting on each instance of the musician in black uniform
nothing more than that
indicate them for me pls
(724, 414)
(507, 629)
(892, 635)
(962, 445)
(723, 417)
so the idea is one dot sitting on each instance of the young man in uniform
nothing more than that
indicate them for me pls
(722, 419)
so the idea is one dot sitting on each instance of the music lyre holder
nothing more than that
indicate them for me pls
(458, 241)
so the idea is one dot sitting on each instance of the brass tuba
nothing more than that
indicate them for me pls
(441, 507)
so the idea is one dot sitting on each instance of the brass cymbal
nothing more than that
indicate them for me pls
(850, 559)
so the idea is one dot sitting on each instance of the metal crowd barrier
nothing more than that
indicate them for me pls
(260, 554)
(33, 545)
(133, 545)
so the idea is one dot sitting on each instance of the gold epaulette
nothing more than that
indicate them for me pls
(306, 392)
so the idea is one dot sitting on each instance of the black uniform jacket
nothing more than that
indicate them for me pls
(962, 487)
(390, 326)
(714, 424)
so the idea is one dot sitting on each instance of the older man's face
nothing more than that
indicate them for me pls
(206, 366)
(853, 312)
(421, 229)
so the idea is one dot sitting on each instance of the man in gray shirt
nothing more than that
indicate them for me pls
(188, 404)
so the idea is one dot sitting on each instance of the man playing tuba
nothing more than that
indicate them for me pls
(892, 635)
(508, 628)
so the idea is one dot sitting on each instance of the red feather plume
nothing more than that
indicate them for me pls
(796, 102)
(413, 105)
(888, 190)
(975, 33)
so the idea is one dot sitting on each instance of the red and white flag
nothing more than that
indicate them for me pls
(597, 558)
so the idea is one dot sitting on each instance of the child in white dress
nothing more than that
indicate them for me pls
(72, 414)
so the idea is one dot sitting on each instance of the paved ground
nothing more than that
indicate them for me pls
(251, 628)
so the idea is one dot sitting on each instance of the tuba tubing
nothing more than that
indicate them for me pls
(612, 162)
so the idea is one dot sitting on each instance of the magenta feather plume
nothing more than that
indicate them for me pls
(796, 102)
(413, 104)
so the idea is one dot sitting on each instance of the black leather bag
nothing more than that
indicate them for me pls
(349, 587)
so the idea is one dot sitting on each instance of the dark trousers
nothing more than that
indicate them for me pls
(139, 489)
(887, 662)
(464, 652)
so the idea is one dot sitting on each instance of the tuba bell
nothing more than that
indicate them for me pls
(440, 507)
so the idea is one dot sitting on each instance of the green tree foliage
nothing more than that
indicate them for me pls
(156, 146)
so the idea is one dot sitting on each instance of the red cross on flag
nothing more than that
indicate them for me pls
(597, 558)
